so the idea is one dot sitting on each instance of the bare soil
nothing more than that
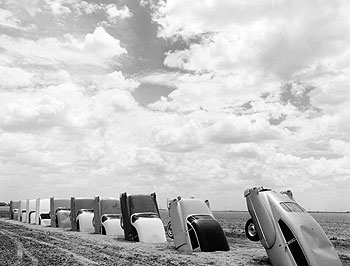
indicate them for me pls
(25, 244)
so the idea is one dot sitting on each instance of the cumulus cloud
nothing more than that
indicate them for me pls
(186, 137)
(211, 91)
(58, 8)
(15, 77)
(67, 7)
(249, 150)
(273, 37)
(13, 143)
(258, 98)
(8, 19)
(114, 13)
(97, 49)
(339, 146)
(114, 80)
(32, 114)
(242, 129)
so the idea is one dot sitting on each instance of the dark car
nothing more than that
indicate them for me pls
(194, 227)
(141, 219)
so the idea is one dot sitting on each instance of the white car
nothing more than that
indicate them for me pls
(290, 235)
(111, 225)
(85, 220)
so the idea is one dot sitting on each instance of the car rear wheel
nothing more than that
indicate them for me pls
(121, 222)
(103, 230)
(169, 230)
(250, 231)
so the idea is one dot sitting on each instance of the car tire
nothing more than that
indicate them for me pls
(78, 227)
(103, 230)
(169, 230)
(250, 230)
(121, 222)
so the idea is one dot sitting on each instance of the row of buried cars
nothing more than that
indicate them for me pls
(289, 234)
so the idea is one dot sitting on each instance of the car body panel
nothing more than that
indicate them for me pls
(111, 225)
(260, 214)
(32, 215)
(84, 221)
(194, 227)
(22, 210)
(290, 235)
(24, 215)
(149, 230)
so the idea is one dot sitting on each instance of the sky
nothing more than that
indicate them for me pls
(201, 98)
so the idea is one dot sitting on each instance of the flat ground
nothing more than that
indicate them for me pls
(25, 244)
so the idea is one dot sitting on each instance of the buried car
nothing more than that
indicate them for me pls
(194, 227)
(82, 214)
(30, 207)
(141, 219)
(62, 217)
(14, 214)
(108, 212)
(13, 210)
(60, 212)
(85, 220)
(290, 235)
(42, 212)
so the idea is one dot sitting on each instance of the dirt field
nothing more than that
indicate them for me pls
(25, 244)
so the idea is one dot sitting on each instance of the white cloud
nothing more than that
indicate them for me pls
(339, 146)
(234, 120)
(8, 19)
(114, 13)
(119, 100)
(58, 8)
(88, 8)
(212, 91)
(114, 80)
(250, 150)
(182, 138)
(97, 49)
(32, 114)
(14, 77)
(101, 45)
(13, 143)
(63, 8)
(280, 38)
(242, 129)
